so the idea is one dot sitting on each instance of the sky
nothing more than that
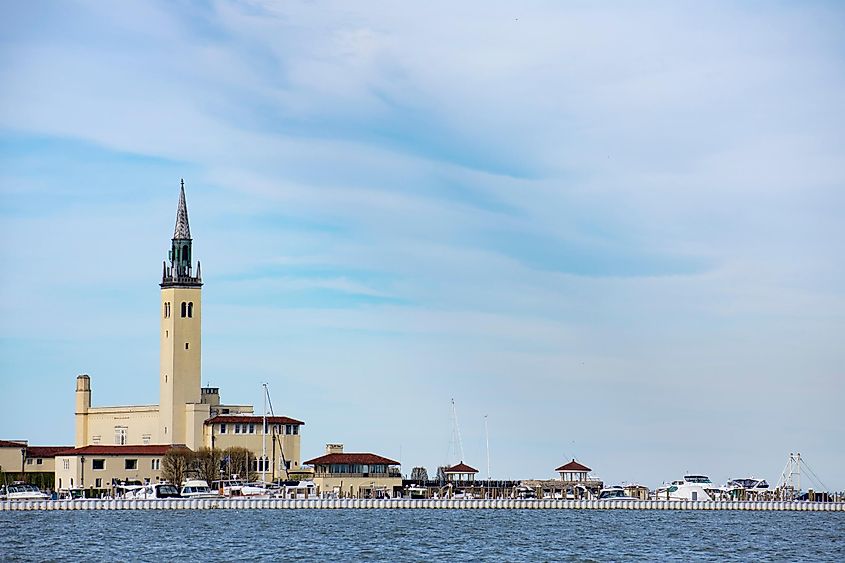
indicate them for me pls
(613, 229)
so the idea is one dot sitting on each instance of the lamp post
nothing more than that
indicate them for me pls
(23, 465)
(82, 476)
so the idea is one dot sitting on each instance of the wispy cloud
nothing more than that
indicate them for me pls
(624, 214)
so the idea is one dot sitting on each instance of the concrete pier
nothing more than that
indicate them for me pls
(408, 504)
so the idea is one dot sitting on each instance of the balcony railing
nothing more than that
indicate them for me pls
(358, 475)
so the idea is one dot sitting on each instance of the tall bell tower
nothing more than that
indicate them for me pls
(181, 343)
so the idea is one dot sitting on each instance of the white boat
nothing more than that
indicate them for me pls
(240, 488)
(614, 493)
(197, 488)
(415, 492)
(154, 491)
(25, 491)
(691, 487)
(297, 490)
(751, 484)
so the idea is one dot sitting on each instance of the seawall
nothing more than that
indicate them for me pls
(409, 504)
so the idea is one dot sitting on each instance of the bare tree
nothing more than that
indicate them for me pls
(419, 474)
(175, 465)
(239, 461)
(206, 464)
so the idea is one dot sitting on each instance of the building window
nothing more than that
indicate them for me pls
(186, 345)
(184, 309)
(146, 439)
(252, 429)
(191, 309)
(96, 439)
(295, 429)
(66, 464)
(29, 461)
(222, 428)
(120, 435)
(156, 464)
(98, 483)
(98, 464)
(130, 464)
(39, 461)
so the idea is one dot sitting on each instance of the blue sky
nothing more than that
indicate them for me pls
(615, 229)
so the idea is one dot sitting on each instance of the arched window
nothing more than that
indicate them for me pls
(191, 309)
(184, 309)
(185, 254)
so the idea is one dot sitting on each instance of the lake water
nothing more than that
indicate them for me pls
(416, 535)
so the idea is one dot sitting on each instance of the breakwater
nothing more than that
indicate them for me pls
(411, 504)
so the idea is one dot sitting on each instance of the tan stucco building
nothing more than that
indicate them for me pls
(187, 414)
(360, 475)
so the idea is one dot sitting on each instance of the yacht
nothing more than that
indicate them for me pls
(241, 488)
(751, 484)
(154, 491)
(297, 490)
(615, 493)
(197, 488)
(691, 487)
(25, 491)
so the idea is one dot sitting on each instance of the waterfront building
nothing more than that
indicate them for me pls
(358, 475)
(100, 467)
(187, 414)
(32, 464)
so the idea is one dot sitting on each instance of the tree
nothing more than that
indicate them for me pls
(419, 474)
(238, 461)
(206, 464)
(175, 465)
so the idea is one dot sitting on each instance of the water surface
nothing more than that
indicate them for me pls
(421, 535)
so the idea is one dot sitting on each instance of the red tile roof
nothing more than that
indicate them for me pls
(251, 419)
(460, 468)
(350, 458)
(11, 444)
(46, 451)
(573, 466)
(151, 449)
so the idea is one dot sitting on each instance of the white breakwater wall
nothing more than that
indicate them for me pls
(402, 504)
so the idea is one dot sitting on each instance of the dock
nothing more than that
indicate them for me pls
(412, 504)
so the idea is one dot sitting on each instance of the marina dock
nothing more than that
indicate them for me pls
(411, 504)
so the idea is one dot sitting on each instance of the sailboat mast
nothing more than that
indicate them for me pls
(264, 438)
(487, 439)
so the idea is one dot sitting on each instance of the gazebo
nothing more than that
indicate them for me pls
(460, 473)
(573, 472)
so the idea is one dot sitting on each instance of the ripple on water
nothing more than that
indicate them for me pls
(432, 535)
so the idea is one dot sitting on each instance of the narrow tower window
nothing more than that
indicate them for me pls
(191, 309)
(184, 309)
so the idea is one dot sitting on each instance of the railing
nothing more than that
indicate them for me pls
(396, 474)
